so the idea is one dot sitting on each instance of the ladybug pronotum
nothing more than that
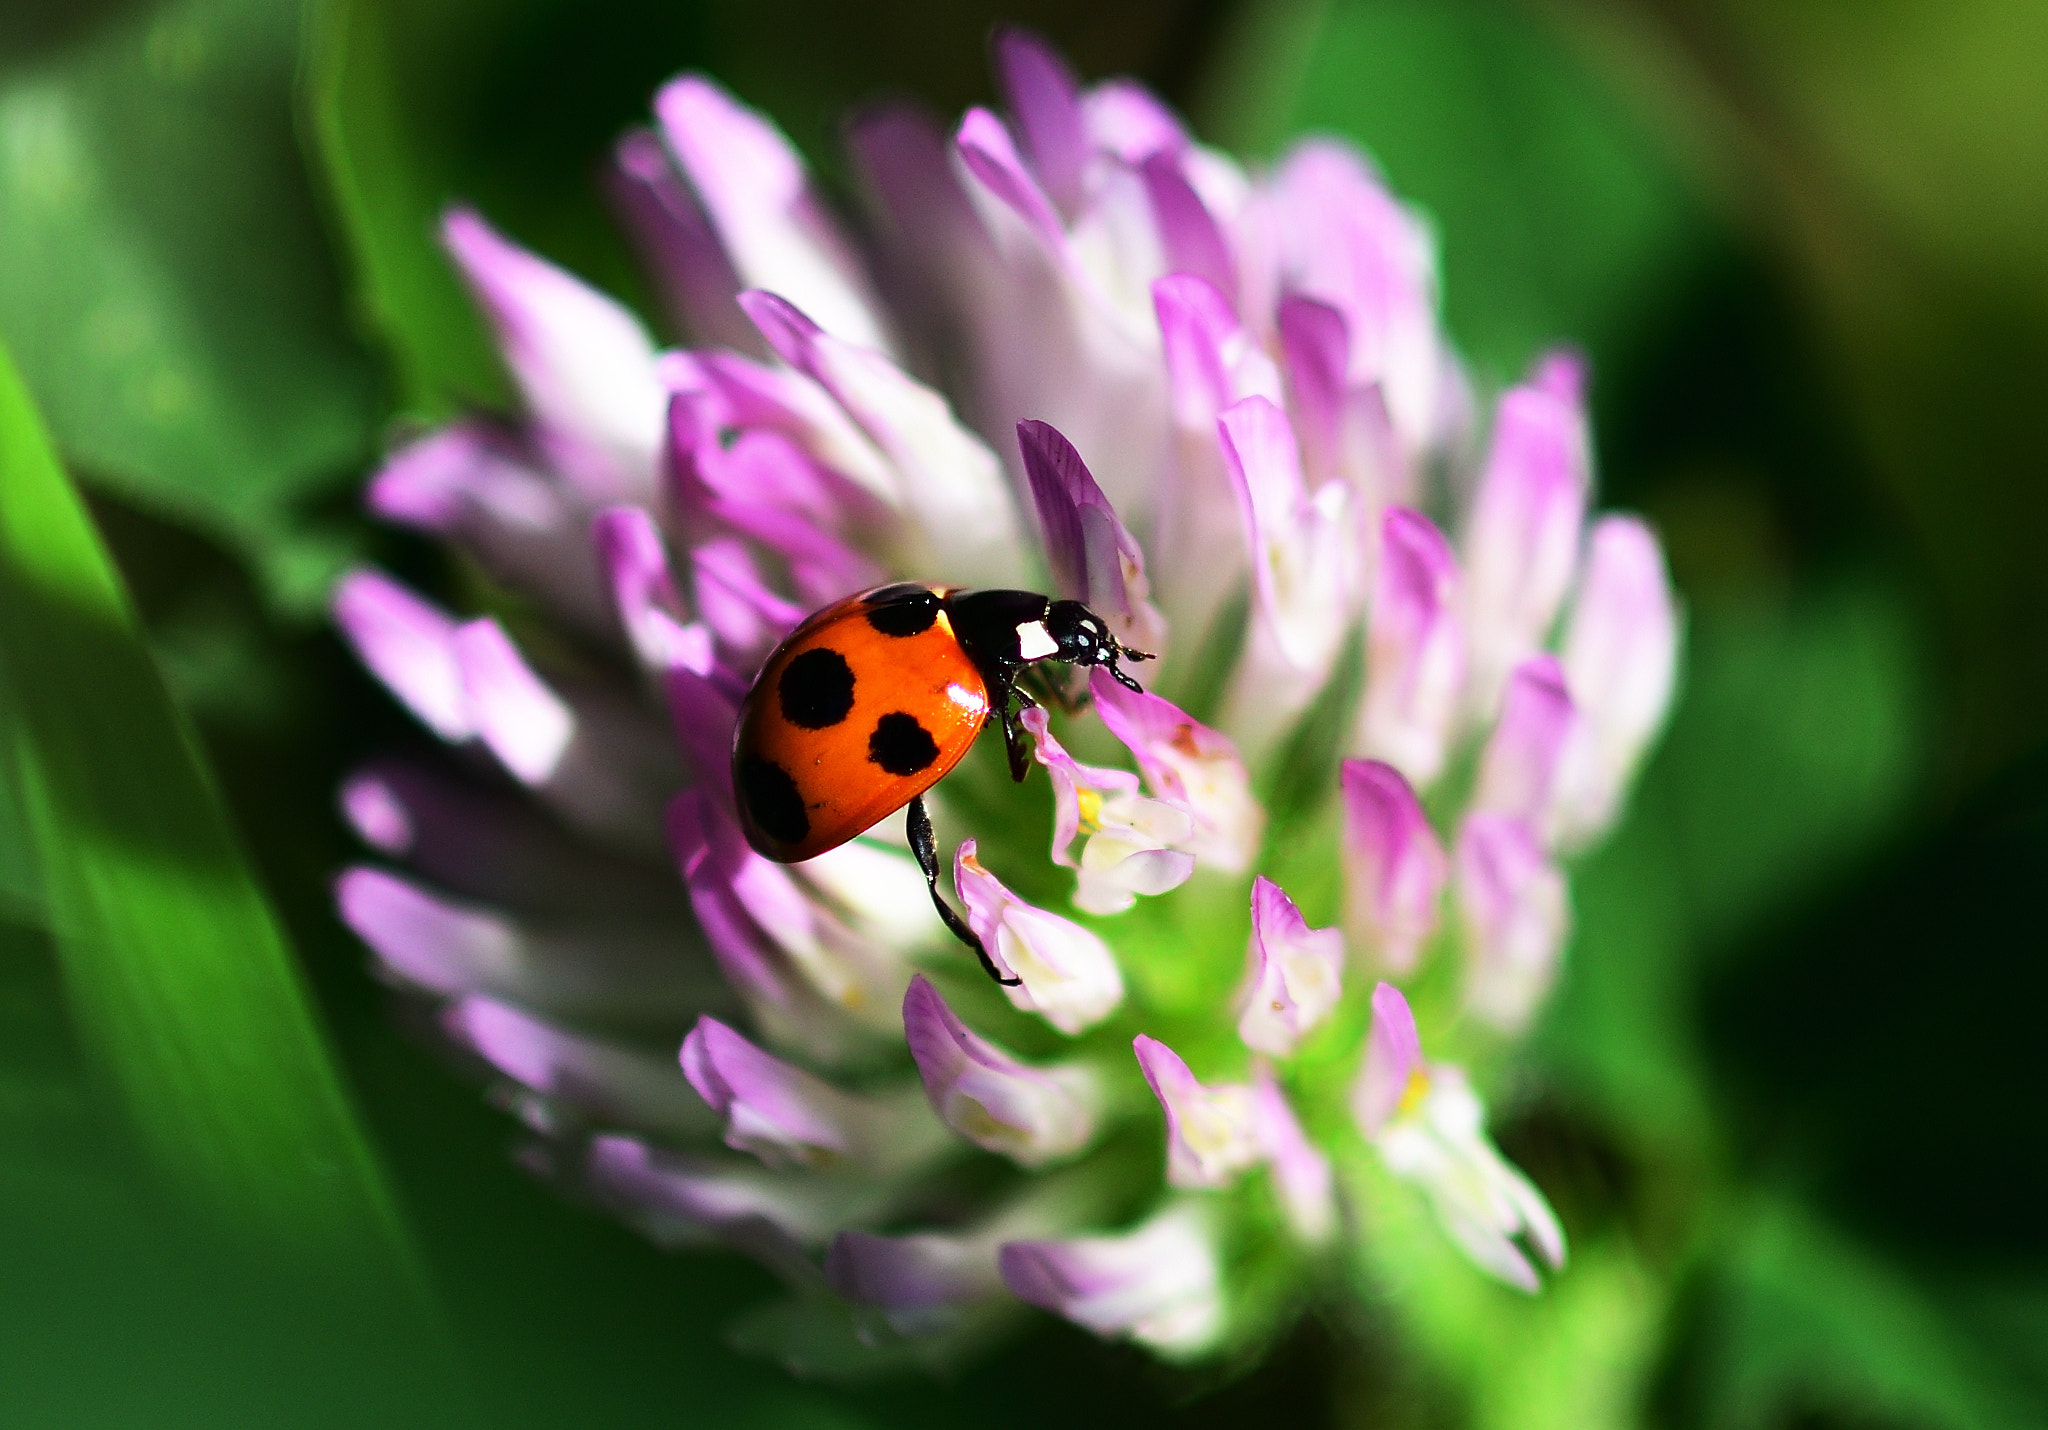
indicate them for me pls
(871, 700)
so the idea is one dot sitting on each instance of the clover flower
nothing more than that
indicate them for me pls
(1068, 347)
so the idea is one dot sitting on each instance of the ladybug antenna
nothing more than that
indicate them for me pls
(1117, 649)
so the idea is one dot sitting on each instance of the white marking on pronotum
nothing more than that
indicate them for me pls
(1034, 642)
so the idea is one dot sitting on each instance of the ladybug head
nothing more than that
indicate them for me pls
(1084, 639)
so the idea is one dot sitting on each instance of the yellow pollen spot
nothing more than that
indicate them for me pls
(1090, 802)
(1412, 1095)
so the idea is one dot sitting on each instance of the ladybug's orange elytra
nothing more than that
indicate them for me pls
(872, 700)
(848, 722)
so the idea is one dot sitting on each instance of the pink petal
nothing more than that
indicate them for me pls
(489, 843)
(677, 244)
(1070, 978)
(951, 487)
(1621, 658)
(1415, 662)
(1296, 973)
(1127, 120)
(1069, 778)
(991, 157)
(408, 644)
(704, 710)
(1211, 361)
(583, 363)
(1315, 347)
(1094, 557)
(1394, 865)
(1522, 535)
(1393, 1056)
(1186, 762)
(1031, 1115)
(1188, 232)
(745, 615)
(625, 974)
(911, 1273)
(524, 722)
(1041, 93)
(1157, 1283)
(604, 1081)
(778, 1112)
(1524, 771)
(1211, 1136)
(1517, 914)
(631, 551)
(1346, 242)
(776, 232)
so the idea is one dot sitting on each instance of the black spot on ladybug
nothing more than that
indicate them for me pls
(900, 745)
(816, 689)
(772, 800)
(909, 611)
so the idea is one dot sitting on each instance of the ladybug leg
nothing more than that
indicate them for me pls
(918, 825)
(1013, 735)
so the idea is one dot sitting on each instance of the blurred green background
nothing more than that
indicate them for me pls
(1795, 1071)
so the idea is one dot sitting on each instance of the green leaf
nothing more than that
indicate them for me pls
(421, 104)
(165, 284)
(212, 1109)
(1799, 1319)
(387, 196)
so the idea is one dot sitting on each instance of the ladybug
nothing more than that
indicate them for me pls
(874, 698)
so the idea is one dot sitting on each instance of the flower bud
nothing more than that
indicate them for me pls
(1190, 764)
(1032, 1115)
(1394, 866)
(1521, 541)
(1620, 653)
(790, 1118)
(1157, 1284)
(1211, 1132)
(775, 231)
(1296, 973)
(1415, 650)
(1134, 845)
(1428, 1128)
(1069, 976)
(583, 363)
(1516, 915)
(1094, 558)
(1533, 760)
